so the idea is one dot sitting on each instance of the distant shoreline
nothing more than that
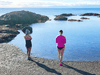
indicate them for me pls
(53, 8)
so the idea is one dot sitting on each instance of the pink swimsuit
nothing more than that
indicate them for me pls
(61, 40)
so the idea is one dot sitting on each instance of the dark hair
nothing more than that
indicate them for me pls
(61, 31)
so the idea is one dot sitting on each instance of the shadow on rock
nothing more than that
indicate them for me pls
(45, 67)
(79, 71)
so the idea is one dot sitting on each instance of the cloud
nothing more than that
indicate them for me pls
(88, 3)
(55, 3)
(40, 4)
(5, 2)
(45, 4)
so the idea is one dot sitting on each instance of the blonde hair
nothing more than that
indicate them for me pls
(27, 31)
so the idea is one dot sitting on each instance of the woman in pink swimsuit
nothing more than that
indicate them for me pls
(60, 40)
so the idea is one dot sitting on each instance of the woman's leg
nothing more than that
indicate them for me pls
(59, 54)
(62, 51)
(29, 51)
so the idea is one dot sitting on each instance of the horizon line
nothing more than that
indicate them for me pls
(58, 7)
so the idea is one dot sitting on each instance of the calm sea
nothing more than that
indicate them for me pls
(83, 38)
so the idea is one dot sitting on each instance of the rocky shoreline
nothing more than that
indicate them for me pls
(13, 61)
(7, 34)
(13, 21)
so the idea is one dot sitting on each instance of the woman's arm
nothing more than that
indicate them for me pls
(56, 39)
(65, 40)
(30, 37)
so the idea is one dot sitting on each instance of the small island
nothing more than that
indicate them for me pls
(63, 16)
(90, 14)
(84, 18)
(60, 18)
(22, 18)
(11, 22)
(74, 20)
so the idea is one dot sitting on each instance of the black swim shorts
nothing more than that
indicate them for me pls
(60, 48)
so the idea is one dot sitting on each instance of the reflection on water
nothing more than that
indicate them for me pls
(83, 39)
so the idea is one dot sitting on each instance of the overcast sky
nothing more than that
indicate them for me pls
(48, 3)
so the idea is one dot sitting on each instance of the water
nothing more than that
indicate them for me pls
(83, 38)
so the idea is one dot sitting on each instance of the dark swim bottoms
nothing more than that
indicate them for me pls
(60, 48)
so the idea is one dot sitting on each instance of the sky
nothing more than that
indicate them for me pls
(49, 3)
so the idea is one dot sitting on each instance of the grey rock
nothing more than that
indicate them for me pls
(90, 14)
(74, 20)
(22, 17)
(84, 18)
(60, 18)
(65, 14)
(99, 16)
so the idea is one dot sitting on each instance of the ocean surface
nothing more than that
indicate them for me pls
(83, 38)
